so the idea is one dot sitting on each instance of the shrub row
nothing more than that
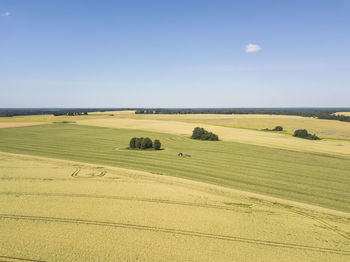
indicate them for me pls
(144, 143)
(202, 134)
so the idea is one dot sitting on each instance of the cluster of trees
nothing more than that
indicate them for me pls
(202, 134)
(321, 113)
(303, 133)
(144, 143)
(277, 128)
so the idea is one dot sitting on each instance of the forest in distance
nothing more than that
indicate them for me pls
(321, 113)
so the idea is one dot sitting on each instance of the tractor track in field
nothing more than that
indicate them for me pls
(173, 202)
(19, 259)
(178, 232)
(345, 235)
(320, 221)
(76, 172)
(139, 199)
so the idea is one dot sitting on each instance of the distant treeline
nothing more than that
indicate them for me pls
(322, 113)
(70, 113)
(9, 112)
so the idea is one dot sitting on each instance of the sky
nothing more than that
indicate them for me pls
(174, 53)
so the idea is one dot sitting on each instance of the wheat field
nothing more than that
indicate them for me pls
(101, 213)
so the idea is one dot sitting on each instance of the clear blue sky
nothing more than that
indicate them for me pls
(174, 53)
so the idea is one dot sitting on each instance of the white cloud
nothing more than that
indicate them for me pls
(6, 14)
(252, 48)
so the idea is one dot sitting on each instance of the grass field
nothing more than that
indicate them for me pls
(307, 177)
(100, 213)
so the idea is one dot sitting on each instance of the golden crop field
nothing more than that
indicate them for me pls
(100, 213)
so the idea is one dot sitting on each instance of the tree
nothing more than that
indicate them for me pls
(301, 133)
(202, 134)
(156, 144)
(213, 137)
(132, 143)
(197, 132)
(146, 143)
(138, 142)
(149, 142)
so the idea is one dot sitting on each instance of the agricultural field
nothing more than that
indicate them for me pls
(19, 124)
(323, 127)
(254, 137)
(108, 213)
(254, 195)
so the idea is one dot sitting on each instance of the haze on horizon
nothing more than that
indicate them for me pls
(174, 53)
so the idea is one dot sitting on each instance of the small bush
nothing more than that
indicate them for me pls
(202, 134)
(302, 133)
(278, 128)
(156, 144)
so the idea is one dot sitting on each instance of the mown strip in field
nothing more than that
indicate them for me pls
(307, 177)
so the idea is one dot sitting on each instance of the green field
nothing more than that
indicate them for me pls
(307, 177)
